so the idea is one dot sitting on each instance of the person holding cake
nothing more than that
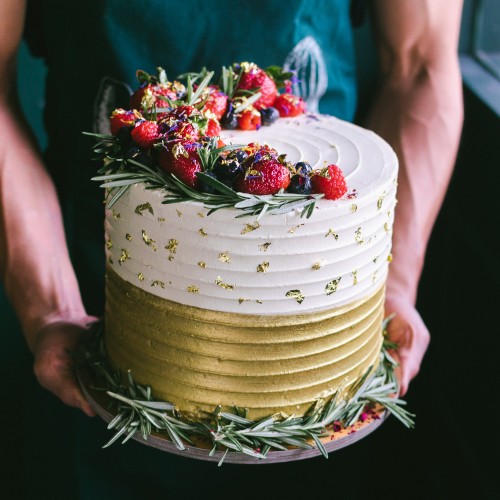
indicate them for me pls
(54, 280)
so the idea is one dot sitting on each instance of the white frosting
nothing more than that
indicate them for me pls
(176, 251)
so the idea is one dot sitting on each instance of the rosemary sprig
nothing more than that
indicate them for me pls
(137, 411)
(119, 173)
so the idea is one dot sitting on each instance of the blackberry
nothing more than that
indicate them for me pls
(268, 115)
(302, 167)
(300, 184)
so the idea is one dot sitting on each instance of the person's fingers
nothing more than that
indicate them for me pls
(408, 330)
(54, 363)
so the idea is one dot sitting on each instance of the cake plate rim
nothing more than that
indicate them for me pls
(97, 401)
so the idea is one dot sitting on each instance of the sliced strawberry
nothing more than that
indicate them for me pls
(289, 105)
(330, 181)
(181, 158)
(145, 134)
(249, 119)
(265, 173)
(255, 78)
(123, 118)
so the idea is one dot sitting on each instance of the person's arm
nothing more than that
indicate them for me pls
(419, 111)
(34, 261)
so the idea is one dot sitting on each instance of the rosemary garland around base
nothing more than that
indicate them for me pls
(138, 412)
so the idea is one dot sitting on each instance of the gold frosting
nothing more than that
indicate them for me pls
(199, 358)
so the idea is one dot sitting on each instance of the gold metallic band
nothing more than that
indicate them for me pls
(199, 359)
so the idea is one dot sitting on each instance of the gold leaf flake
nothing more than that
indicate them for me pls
(141, 277)
(264, 247)
(375, 259)
(172, 246)
(109, 244)
(262, 268)
(201, 214)
(240, 300)
(202, 264)
(331, 287)
(296, 294)
(293, 229)
(149, 241)
(389, 257)
(128, 237)
(170, 258)
(333, 233)
(380, 200)
(219, 282)
(162, 219)
(359, 237)
(124, 256)
(158, 283)
(202, 232)
(224, 257)
(116, 215)
(179, 213)
(258, 301)
(316, 266)
(193, 289)
(110, 260)
(374, 277)
(250, 227)
(354, 207)
(387, 228)
(355, 277)
(389, 214)
(145, 206)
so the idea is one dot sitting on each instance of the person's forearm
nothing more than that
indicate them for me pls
(419, 111)
(36, 268)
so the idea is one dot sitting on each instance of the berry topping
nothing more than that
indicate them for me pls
(289, 105)
(145, 133)
(121, 118)
(265, 173)
(300, 184)
(227, 168)
(254, 78)
(302, 167)
(249, 119)
(269, 115)
(181, 158)
(330, 181)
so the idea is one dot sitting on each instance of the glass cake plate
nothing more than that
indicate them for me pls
(201, 448)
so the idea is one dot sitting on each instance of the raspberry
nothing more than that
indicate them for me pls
(249, 119)
(289, 105)
(145, 133)
(213, 128)
(330, 181)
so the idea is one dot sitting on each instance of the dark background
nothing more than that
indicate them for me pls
(453, 451)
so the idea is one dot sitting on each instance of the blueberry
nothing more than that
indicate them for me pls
(299, 184)
(268, 115)
(302, 167)
(227, 168)
(229, 120)
(132, 151)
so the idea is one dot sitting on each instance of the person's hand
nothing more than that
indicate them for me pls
(407, 330)
(54, 362)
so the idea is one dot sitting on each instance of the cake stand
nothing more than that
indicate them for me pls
(201, 449)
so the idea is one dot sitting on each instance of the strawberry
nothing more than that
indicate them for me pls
(249, 119)
(147, 95)
(184, 130)
(122, 118)
(145, 133)
(289, 105)
(255, 78)
(216, 102)
(213, 128)
(265, 173)
(181, 158)
(330, 181)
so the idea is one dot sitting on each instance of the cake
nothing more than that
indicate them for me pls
(221, 305)
(269, 313)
